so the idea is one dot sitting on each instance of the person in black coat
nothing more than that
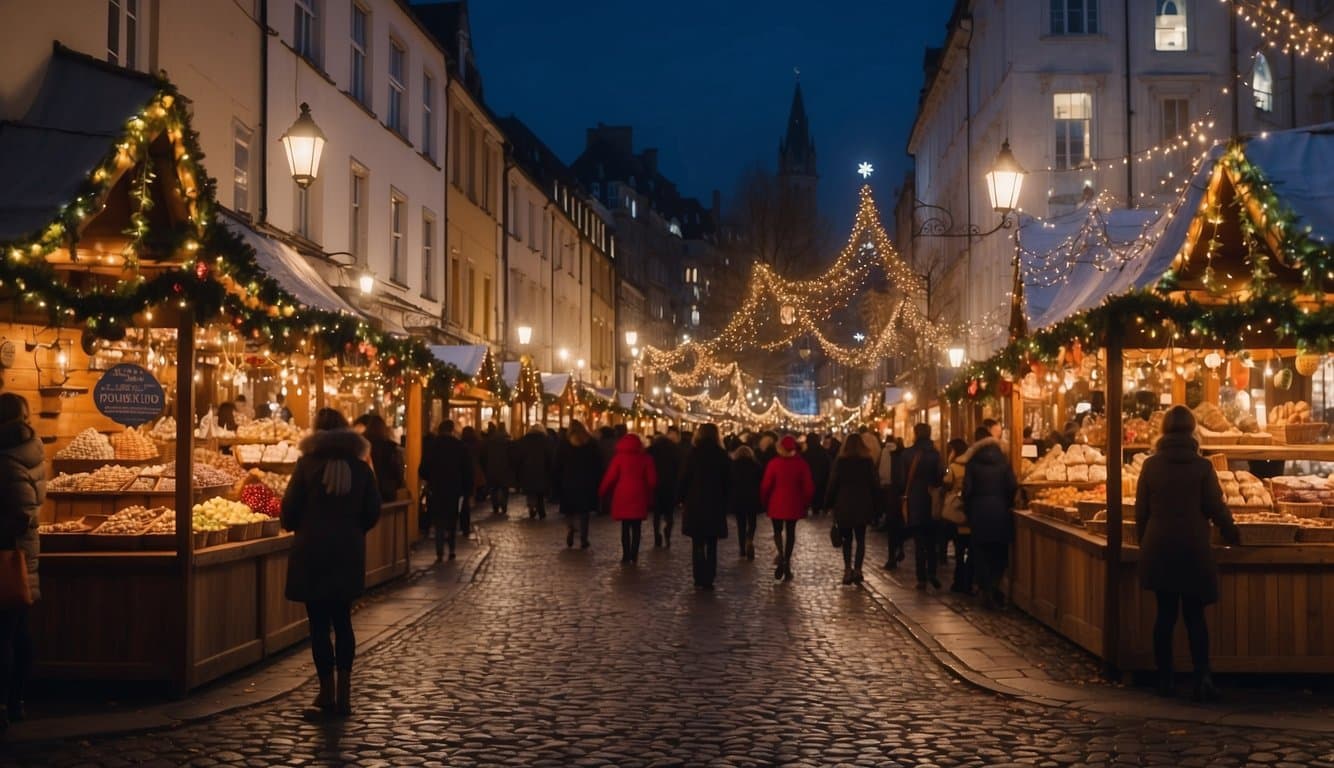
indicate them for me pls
(330, 504)
(448, 471)
(497, 460)
(22, 492)
(704, 492)
(820, 461)
(386, 455)
(578, 474)
(1177, 498)
(666, 454)
(533, 459)
(743, 497)
(922, 474)
(989, 486)
(851, 494)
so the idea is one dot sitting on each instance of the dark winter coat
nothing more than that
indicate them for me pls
(787, 488)
(743, 487)
(925, 477)
(704, 489)
(533, 458)
(387, 458)
(1177, 497)
(630, 479)
(22, 491)
(989, 486)
(666, 457)
(498, 460)
(853, 486)
(330, 503)
(447, 469)
(578, 473)
(820, 464)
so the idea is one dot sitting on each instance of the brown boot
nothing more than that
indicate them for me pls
(344, 702)
(324, 702)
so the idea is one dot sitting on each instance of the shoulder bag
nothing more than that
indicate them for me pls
(907, 484)
(951, 508)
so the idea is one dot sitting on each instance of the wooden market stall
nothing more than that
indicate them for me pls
(1228, 312)
(127, 306)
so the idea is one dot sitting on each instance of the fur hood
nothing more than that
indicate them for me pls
(979, 446)
(335, 444)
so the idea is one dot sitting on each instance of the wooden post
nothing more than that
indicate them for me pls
(185, 550)
(1111, 617)
(1017, 429)
(413, 421)
(319, 384)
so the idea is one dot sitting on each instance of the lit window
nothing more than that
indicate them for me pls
(1074, 17)
(1176, 119)
(634, 209)
(305, 34)
(1073, 116)
(1169, 26)
(694, 315)
(428, 256)
(397, 67)
(241, 138)
(360, 48)
(674, 228)
(397, 248)
(1262, 84)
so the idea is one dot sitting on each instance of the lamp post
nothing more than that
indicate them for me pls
(366, 283)
(525, 334)
(957, 355)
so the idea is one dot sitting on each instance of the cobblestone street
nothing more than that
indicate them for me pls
(557, 657)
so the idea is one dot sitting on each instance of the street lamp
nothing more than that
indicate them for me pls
(525, 333)
(1004, 181)
(956, 355)
(564, 355)
(366, 283)
(304, 143)
(631, 338)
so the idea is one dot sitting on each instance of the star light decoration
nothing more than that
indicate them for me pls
(865, 169)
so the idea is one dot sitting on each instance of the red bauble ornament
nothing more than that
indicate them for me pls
(973, 387)
(201, 269)
(1004, 387)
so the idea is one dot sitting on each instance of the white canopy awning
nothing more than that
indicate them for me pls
(554, 384)
(468, 358)
(289, 269)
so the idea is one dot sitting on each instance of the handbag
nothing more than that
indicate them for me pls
(836, 536)
(15, 590)
(907, 485)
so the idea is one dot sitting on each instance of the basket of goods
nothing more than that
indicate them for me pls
(242, 524)
(1300, 508)
(225, 464)
(164, 431)
(262, 500)
(1291, 423)
(269, 431)
(1259, 529)
(71, 535)
(1215, 429)
(88, 450)
(122, 530)
(133, 445)
(1078, 464)
(1305, 489)
(161, 533)
(1315, 530)
(1244, 492)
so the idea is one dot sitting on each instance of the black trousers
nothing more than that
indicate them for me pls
(335, 616)
(857, 532)
(894, 525)
(925, 550)
(663, 517)
(990, 560)
(963, 562)
(445, 524)
(500, 499)
(745, 528)
(578, 521)
(465, 515)
(630, 532)
(704, 560)
(15, 654)
(1191, 608)
(785, 546)
(537, 505)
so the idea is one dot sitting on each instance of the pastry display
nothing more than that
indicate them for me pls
(1242, 489)
(164, 430)
(1303, 488)
(88, 445)
(205, 476)
(1290, 413)
(66, 482)
(77, 526)
(127, 522)
(269, 431)
(226, 512)
(1080, 464)
(132, 445)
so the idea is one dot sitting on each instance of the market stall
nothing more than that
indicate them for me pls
(477, 397)
(1229, 310)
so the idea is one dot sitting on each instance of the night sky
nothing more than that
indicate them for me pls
(710, 83)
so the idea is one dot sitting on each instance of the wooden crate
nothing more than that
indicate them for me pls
(1297, 434)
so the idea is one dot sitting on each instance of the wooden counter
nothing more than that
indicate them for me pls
(128, 615)
(1272, 615)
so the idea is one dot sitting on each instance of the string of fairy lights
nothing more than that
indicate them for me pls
(1282, 29)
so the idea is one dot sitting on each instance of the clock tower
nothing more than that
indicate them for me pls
(796, 155)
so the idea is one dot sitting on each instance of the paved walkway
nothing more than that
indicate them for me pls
(557, 657)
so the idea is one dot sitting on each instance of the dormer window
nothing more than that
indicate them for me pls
(1169, 26)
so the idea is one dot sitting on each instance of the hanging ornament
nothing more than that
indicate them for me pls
(1308, 364)
(1077, 352)
(787, 314)
(1283, 379)
(1239, 372)
(1004, 387)
(1213, 360)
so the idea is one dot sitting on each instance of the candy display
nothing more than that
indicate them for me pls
(88, 445)
(128, 521)
(226, 512)
(164, 430)
(260, 498)
(225, 464)
(204, 476)
(66, 482)
(132, 445)
(269, 431)
(77, 526)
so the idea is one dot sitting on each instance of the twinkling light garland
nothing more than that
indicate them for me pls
(1284, 30)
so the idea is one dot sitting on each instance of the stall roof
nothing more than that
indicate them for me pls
(289, 269)
(555, 383)
(509, 373)
(626, 400)
(468, 358)
(46, 157)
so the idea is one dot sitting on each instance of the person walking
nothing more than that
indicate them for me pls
(447, 470)
(630, 481)
(890, 470)
(786, 490)
(578, 473)
(743, 497)
(477, 487)
(330, 504)
(22, 493)
(533, 458)
(989, 486)
(386, 455)
(498, 468)
(956, 458)
(666, 454)
(820, 462)
(704, 489)
(1177, 498)
(923, 474)
(853, 485)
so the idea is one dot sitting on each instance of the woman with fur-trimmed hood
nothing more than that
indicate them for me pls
(989, 486)
(330, 504)
(22, 491)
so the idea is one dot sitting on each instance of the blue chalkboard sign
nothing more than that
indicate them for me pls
(128, 394)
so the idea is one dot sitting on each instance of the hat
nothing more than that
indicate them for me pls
(787, 445)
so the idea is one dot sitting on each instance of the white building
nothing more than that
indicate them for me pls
(1089, 93)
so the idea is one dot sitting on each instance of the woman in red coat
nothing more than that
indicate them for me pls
(630, 479)
(786, 491)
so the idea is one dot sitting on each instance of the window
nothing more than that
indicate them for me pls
(532, 224)
(455, 292)
(455, 143)
(1074, 17)
(305, 29)
(428, 255)
(472, 299)
(361, 25)
(241, 138)
(513, 212)
(397, 248)
(1073, 113)
(1262, 84)
(428, 115)
(488, 194)
(694, 315)
(359, 215)
(1169, 26)
(123, 32)
(1176, 119)
(487, 300)
(472, 162)
(692, 275)
(397, 66)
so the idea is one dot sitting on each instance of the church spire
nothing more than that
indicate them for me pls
(796, 152)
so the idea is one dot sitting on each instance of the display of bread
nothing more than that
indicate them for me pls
(1242, 489)
(1304, 488)
(1068, 496)
(88, 445)
(1079, 464)
(1290, 413)
(133, 445)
